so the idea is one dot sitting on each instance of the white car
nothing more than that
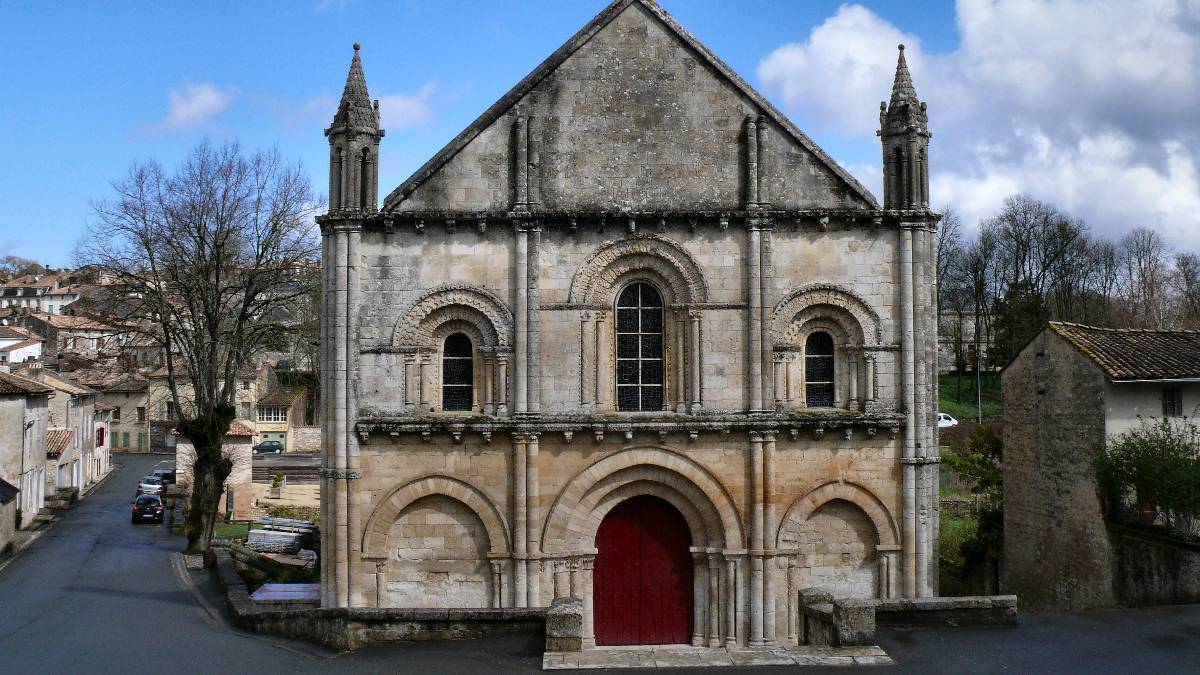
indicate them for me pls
(945, 420)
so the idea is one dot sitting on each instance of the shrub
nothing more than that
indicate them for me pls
(1157, 468)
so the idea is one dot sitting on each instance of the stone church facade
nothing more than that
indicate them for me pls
(630, 337)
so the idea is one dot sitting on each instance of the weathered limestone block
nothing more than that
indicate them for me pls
(564, 625)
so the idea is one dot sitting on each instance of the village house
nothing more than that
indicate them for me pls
(251, 382)
(29, 291)
(75, 335)
(631, 337)
(19, 345)
(1065, 394)
(280, 410)
(71, 431)
(24, 416)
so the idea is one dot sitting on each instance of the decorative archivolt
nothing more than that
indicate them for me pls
(665, 261)
(861, 497)
(578, 510)
(388, 509)
(483, 310)
(845, 307)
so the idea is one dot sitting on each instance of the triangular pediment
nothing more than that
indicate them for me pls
(632, 113)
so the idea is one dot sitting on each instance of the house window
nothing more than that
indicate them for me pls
(116, 417)
(1172, 400)
(170, 410)
(246, 385)
(141, 442)
(639, 348)
(818, 370)
(272, 413)
(125, 439)
(141, 414)
(457, 372)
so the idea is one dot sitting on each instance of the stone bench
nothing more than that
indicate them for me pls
(564, 625)
(829, 622)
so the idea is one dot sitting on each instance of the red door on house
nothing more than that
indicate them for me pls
(642, 580)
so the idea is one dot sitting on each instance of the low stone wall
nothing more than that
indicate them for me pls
(971, 610)
(1150, 569)
(350, 628)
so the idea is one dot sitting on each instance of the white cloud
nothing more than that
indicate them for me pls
(195, 103)
(1090, 105)
(399, 111)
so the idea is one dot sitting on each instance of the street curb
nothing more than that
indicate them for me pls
(34, 536)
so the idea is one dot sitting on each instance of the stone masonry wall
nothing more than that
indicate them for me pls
(1056, 550)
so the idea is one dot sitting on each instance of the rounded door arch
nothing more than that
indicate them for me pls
(643, 575)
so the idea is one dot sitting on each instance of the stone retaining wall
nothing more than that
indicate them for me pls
(1150, 569)
(346, 629)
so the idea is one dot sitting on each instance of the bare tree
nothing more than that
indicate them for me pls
(14, 266)
(207, 251)
(1145, 276)
(1187, 289)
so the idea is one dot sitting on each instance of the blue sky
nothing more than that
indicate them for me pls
(92, 87)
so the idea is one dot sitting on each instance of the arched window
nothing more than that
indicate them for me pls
(457, 373)
(639, 348)
(818, 370)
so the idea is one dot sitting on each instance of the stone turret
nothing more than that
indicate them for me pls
(904, 132)
(354, 146)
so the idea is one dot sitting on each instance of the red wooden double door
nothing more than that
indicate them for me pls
(642, 580)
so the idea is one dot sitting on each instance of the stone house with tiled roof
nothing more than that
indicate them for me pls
(278, 412)
(24, 405)
(631, 302)
(72, 409)
(1069, 390)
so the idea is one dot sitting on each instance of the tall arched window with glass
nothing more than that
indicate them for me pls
(639, 348)
(457, 373)
(818, 370)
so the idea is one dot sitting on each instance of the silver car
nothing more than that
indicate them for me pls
(150, 485)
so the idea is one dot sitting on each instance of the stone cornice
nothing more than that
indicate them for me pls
(812, 422)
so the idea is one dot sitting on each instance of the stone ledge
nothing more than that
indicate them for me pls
(971, 610)
(686, 656)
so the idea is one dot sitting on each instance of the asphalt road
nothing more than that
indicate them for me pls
(96, 594)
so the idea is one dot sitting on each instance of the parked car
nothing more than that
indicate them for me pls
(150, 485)
(274, 447)
(945, 420)
(167, 475)
(148, 508)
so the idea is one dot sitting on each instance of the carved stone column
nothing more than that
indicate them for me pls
(502, 384)
(587, 360)
(497, 584)
(488, 374)
(780, 386)
(731, 601)
(681, 333)
(423, 381)
(381, 599)
(853, 356)
(756, 539)
(532, 519)
(604, 371)
(699, 593)
(520, 545)
(696, 357)
(409, 389)
(562, 579)
(714, 600)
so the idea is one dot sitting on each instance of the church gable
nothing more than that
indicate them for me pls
(630, 114)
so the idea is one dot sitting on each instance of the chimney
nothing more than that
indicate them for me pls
(35, 372)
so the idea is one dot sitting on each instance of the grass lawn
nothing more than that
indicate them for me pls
(231, 530)
(966, 410)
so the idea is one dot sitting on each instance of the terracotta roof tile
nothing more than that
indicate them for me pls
(1134, 353)
(57, 441)
(15, 384)
(239, 428)
(21, 345)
